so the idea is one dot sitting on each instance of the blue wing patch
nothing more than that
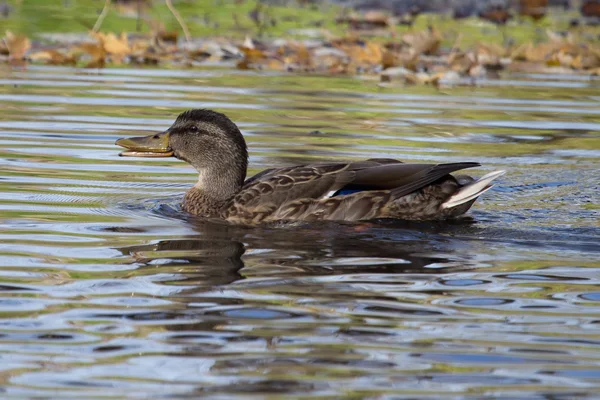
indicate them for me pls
(343, 192)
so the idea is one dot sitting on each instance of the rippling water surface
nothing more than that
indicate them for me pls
(108, 291)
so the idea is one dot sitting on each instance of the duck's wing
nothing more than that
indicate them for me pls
(313, 181)
(372, 162)
(261, 174)
(269, 190)
(289, 192)
(403, 179)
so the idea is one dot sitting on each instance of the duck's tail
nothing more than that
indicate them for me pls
(472, 190)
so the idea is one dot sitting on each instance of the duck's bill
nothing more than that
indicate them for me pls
(144, 154)
(146, 146)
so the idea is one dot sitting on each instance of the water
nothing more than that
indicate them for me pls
(108, 291)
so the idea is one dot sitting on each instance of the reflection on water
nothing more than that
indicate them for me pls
(107, 290)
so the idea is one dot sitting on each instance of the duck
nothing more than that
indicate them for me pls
(376, 188)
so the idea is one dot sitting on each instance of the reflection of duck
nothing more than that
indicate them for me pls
(212, 301)
(316, 248)
(375, 188)
(206, 262)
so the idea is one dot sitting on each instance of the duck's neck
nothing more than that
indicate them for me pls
(215, 187)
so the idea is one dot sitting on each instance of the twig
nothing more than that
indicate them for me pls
(456, 43)
(138, 20)
(101, 17)
(186, 32)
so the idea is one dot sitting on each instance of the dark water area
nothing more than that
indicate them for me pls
(108, 290)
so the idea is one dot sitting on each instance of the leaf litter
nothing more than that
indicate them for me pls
(370, 47)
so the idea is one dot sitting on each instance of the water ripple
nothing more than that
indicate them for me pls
(108, 290)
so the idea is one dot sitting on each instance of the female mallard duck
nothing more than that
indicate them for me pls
(375, 188)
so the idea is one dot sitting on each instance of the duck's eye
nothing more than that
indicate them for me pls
(194, 129)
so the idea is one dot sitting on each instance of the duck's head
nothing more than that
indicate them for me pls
(206, 139)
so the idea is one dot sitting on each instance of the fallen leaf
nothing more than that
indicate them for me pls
(96, 53)
(461, 62)
(53, 57)
(303, 56)
(117, 47)
(388, 59)
(539, 53)
(17, 45)
(407, 59)
(587, 60)
(424, 42)
(491, 49)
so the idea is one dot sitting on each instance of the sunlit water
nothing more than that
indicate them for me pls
(109, 291)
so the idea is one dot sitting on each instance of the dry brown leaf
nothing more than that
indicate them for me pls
(435, 78)
(419, 78)
(577, 62)
(491, 49)
(586, 60)
(275, 64)
(243, 64)
(118, 46)
(98, 63)
(553, 61)
(540, 53)
(488, 59)
(53, 57)
(253, 55)
(329, 59)
(564, 58)
(339, 66)
(388, 59)
(303, 56)
(461, 62)
(594, 50)
(424, 42)
(17, 45)
(537, 68)
(140, 46)
(361, 53)
(369, 54)
(407, 59)
(96, 52)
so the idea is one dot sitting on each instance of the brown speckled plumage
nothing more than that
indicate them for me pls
(375, 188)
(198, 203)
(297, 193)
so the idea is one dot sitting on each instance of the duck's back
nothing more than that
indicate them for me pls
(376, 188)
